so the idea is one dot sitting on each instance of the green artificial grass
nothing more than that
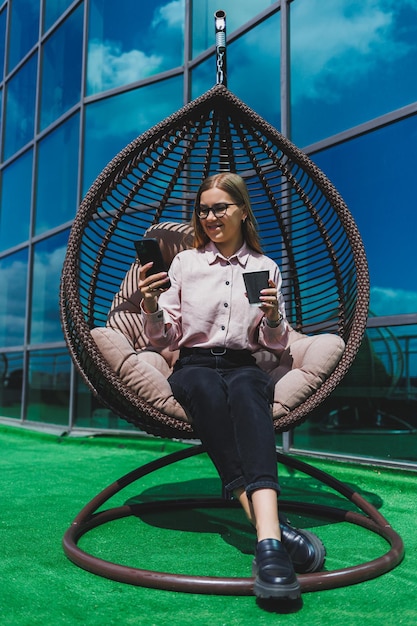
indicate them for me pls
(46, 480)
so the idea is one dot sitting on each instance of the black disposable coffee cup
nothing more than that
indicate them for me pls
(254, 283)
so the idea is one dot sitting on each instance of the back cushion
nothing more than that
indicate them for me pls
(125, 312)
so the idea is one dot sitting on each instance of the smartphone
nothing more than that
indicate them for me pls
(148, 250)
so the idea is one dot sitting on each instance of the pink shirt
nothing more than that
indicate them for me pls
(206, 305)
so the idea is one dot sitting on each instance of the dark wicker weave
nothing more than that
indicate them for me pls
(304, 223)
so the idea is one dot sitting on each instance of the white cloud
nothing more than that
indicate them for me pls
(109, 67)
(12, 316)
(171, 15)
(351, 39)
(390, 301)
(45, 317)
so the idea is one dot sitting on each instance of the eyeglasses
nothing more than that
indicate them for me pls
(218, 210)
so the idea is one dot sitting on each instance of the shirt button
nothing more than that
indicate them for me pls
(227, 282)
(226, 305)
(223, 327)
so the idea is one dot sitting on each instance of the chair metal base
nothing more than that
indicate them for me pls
(88, 519)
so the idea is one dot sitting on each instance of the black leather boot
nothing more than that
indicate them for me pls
(274, 571)
(306, 550)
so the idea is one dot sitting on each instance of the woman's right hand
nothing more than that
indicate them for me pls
(151, 287)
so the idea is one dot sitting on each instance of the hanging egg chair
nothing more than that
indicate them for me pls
(148, 189)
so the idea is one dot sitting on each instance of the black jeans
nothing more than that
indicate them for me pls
(230, 404)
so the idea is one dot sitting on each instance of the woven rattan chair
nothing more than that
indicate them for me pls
(304, 223)
(305, 227)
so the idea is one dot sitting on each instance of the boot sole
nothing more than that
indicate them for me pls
(267, 591)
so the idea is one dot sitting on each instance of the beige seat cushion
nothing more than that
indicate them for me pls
(145, 372)
(302, 368)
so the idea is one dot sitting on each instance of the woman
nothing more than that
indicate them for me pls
(206, 314)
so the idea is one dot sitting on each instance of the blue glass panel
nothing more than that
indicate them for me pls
(61, 69)
(48, 260)
(406, 337)
(203, 77)
(135, 41)
(53, 9)
(203, 31)
(24, 29)
(15, 204)
(112, 123)
(13, 276)
(48, 386)
(250, 59)
(372, 412)
(3, 20)
(20, 108)
(351, 62)
(373, 173)
(254, 69)
(91, 413)
(57, 176)
(11, 381)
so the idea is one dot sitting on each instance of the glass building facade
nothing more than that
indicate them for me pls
(80, 79)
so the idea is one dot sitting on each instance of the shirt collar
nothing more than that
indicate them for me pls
(214, 255)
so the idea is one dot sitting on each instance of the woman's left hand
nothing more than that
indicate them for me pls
(269, 299)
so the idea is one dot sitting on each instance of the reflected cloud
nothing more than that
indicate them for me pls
(388, 301)
(12, 312)
(171, 15)
(45, 310)
(20, 106)
(347, 44)
(110, 66)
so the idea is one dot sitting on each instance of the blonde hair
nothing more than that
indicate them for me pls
(235, 187)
